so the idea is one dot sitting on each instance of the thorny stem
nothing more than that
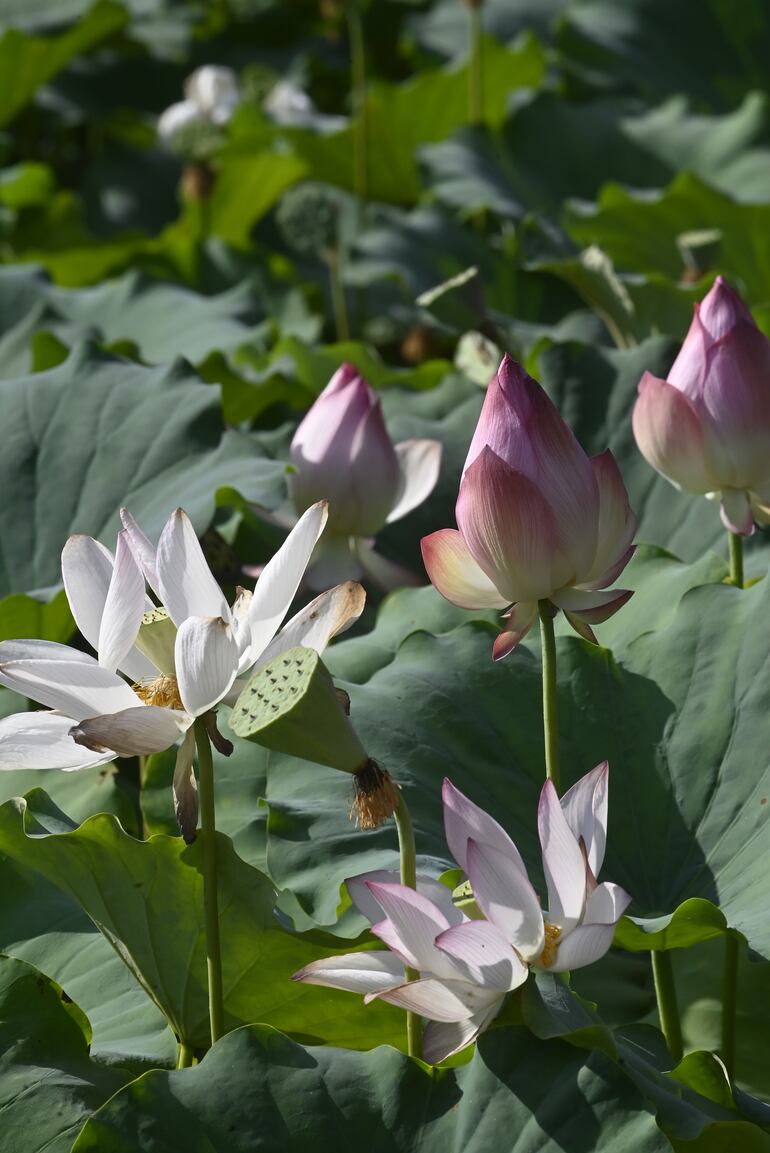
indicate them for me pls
(550, 718)
(210, 895)
(668, 1009)
(735, 544)
(408, 864)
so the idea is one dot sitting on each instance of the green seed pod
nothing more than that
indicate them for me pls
(156, 639)
(307, 217)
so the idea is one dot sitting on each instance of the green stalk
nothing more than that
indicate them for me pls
(735, 545)
(475, 66)
(668, 1009)
(729, 1003)
(338, 295)
(408, 864)
(550, 718)
(358, 88)
(185, 1055)
(210, 895)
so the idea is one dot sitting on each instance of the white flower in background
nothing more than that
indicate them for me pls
(182, 659)
(211, 97)
(289, 105)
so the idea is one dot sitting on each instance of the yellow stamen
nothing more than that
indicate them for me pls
(376, 796)
(551, 947)
(163, 691)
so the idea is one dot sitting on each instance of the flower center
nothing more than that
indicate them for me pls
(551, 946)
(163, 691)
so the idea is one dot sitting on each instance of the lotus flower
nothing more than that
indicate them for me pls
(582, 913)
(211, 97)
(538, 520)
(707, 427)
(342, 452)
(466, 967)
(182, 660)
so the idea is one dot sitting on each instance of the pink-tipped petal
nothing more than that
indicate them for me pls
(736, 407)
(563, 862)
(506, 897)
(592, 607)
(582, 628)
(411, 926)
(510, 530)
(370, 971)
(721, 309)
(445, 1000)
(670, 436)
(582, 946)
(585, 808)
(123, 608)
(442, 1039)
(483, 956)
(419, 463)
(135, 732)
(464, 821)
(366, 903)
(206, 659)
(40, 740)
(185, 581)
(456, 575)
(520, 620)
(617, 524)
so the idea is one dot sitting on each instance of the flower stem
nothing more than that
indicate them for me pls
(475, 66)
(729, 1003)
(210, 895)
(339, 305)
(735, 544)
(185, 1055)
(358, 87)
(550, 718)
(668, 1009)
(408, 865)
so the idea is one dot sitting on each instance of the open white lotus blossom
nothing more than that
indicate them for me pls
(466, 967)
(182, 659)
(288, 104)
(582, 913)
(211, 97)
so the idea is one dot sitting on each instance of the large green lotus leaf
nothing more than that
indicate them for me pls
(27, 62)
(426, 108)
(680, 712)
(246, 188)
(147, 899)
(23, 616)
(48, 1083)
(97, 433)
(517, 1094)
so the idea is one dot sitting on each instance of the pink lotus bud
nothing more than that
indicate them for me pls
(537, 518)
(707, 427)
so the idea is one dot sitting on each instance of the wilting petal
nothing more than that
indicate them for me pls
(184, 788)
(456, 574)
(520, 620)
(442, 1039)
(506, 897)
(592, 607)
(563, 862)
(123, 608)
(617, 524)
(670, 436)
(411, 926)
(316, 624)
(510, 530)
(483, 956)
(135, 732)
(736, 512)
(366, 903)
(419, 463)
(144, 553)
(41, 740)
(206, 659)
(64, 679)
(365, 972)
(606, 904)
(387, 574)
(186, 584)
(585, 809)
(445, 1000)
(583, 946)
(464, 821)
(280, 579)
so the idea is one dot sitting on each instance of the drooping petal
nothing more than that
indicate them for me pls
(442, 1039)
(504, 894)
(519, 620)
(411, 926)
(510, 530)
(455, 573)
(280, 579)
(606, 904)
(736, 512)
(592, 607)
(71, 682)
(40, 740)
(367, 904)
(315, 625)
(483, 955)
(563, 862)
(464, 821)
(206, 659)
(386, 574)
(585, 809)
(445, 1000)
(583, 946)
(670, 436)
(370, 971)
(141, 547)
(123, 608)
(185, 581)
(135, 732)
(419, 463)
(184, 788)
(617, 524)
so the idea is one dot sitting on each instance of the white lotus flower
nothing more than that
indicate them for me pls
(182, 659)
(211, 97)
